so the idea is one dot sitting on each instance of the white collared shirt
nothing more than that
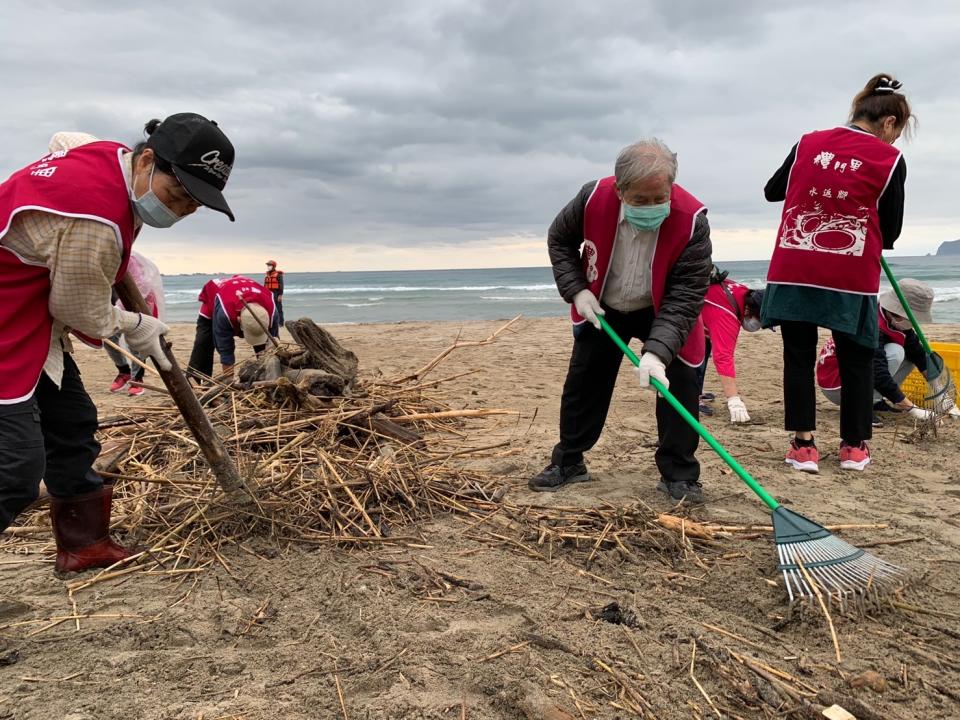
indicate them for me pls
(629, 281)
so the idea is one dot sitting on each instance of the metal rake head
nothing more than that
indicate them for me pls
(941, 390)
(811, 559)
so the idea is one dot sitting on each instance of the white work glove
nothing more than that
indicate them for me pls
(738, 410)
(954, 412)
(921, 414)
(143, 336)
(651, 367)
(588, 306)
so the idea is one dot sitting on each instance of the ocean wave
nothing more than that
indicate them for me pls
(529, 298)
(356, 305)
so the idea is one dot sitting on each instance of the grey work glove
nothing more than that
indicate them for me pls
(143, 336)
(588, 306)
(651, 366)
(738, 410)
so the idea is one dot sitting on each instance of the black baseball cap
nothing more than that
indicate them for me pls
(201, 156)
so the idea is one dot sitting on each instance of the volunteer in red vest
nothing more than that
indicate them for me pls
(843, 204)
(897, 354)
(635, 248)
(241, 308)
(200, 367)
(67, 224)
(728, 307)
(273, 281)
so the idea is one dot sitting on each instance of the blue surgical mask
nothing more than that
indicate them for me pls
(153, 212)
(646, 217)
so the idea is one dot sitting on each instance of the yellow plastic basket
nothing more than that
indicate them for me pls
(915, 387)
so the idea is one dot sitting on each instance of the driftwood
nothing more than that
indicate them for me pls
(319, 367)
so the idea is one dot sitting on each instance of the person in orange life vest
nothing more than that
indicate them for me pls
(241, 308)
(897, 354)
(273, 281)
(843, 204)
(200, 367)
(68, 224)
(634, 247)
(728, 307)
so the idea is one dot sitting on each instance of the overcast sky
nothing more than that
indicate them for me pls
(444, 133)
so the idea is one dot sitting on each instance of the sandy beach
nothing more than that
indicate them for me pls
(339, 630)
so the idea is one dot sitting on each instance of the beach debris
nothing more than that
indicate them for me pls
(613, 613)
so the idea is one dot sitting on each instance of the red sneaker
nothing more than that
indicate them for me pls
(853, 457)
(120, 382)
(805, 458)
(135, 390)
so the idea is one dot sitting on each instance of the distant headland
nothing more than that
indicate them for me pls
(950, 247)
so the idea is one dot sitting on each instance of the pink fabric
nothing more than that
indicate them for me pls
(722, 325)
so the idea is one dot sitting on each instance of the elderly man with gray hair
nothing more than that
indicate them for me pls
(635, 248)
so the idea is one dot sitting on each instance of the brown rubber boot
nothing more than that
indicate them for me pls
(81, 526)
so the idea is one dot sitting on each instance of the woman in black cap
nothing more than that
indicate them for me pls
(842, 193)
(67, 225)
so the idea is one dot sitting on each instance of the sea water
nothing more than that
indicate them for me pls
(411, 295)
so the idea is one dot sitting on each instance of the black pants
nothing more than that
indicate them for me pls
(279, 305)
(594, 365)
(201, 357)
(49, 437)
(702, 370)
(799, 392)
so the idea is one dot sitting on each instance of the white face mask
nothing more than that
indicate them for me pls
(752, 324)
(153, 212)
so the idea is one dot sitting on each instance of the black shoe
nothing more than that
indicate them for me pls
(707, 397)
(877, 422)
(555, 477)
(679, 490)
(706, 410)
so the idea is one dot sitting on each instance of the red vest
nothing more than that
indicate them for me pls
(85, 182)
(829, 235)
(230, 291)
(601, 218)
(208, 294)
(828, 369)
(895, 335)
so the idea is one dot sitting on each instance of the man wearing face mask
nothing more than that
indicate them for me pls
(897, 354)
(728, 308)
(69, 221)
(635, 248)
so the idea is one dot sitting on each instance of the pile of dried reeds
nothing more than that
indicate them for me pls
(322, 469)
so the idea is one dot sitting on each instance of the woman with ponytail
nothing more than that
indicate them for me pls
(842, 194)
(67, 226)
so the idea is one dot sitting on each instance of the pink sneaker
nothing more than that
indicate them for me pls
(120, 382)
(853, 457)
(136, 390)
(806, 458)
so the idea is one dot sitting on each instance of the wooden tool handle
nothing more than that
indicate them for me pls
(210, 443)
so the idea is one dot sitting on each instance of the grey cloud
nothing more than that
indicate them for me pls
(449, 122)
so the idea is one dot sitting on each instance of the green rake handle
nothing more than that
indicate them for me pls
(906, 306)
(693, 422)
